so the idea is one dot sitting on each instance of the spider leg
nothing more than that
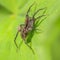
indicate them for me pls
(39, 10)
(38, 23)
(15, 39)
(29, 9)
(40, 17)
(30, 47)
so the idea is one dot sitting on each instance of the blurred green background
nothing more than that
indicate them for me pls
(46, 44)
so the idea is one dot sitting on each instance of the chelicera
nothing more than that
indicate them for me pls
(28, 26)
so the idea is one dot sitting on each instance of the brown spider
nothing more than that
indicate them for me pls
(28, 26)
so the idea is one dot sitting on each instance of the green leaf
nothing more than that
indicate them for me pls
(46, 44)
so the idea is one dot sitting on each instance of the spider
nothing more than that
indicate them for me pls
(28, 26)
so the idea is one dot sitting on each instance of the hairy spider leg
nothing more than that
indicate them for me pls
(17, 35)
(41, 15)
(16, 38)
(29, 47)
(29, 9)
(37, 22)
(40, 18)
(39, 10)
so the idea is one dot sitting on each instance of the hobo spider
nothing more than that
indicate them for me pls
(28, 26)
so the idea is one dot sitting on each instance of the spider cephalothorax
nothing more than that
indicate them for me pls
(28, 26)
